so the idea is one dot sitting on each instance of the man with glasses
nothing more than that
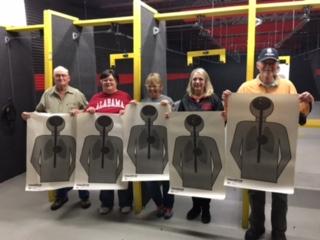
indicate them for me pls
(268, 82)
(62, 98)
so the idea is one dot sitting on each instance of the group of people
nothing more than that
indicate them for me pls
(199, 96)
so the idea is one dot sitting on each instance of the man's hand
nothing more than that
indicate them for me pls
(25, 115)
(306, 97)
(74, 112)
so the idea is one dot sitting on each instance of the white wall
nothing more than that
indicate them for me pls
(12, 13)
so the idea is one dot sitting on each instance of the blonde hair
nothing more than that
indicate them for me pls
(208, 88)
(153, 78)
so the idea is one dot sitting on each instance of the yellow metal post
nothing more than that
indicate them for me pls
(103, 21)
(47, 33)
(28, 28)
(251, 43)
(250, 70)
(137, 35)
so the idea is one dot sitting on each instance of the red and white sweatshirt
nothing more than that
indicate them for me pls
(109, 103)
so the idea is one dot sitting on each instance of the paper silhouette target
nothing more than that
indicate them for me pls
(196, 148)
(100, 152)
(147, 146)
(51, 151)
(102, 156)
(53, 156)
(262, 141)
(261, 148)
(196, 158)
(146, 142)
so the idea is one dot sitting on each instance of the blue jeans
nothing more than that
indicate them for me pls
(160, 199)
(125, 197)
(62, 193)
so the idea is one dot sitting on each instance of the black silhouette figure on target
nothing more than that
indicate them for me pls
(261, 149)
(147, 146)
(102, 155)
(196, 158)
(53, 156)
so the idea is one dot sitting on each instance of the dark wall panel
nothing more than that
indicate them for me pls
(73, 48)
(16, 83)
(313, 73)
(106, 43)
(153, 48)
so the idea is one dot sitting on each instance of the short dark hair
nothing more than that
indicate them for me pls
(106, 73)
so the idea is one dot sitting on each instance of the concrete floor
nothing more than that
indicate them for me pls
(26, 215)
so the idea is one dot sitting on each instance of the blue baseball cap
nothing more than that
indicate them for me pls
(268, 53)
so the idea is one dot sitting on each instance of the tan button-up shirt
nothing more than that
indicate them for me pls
(51, 101)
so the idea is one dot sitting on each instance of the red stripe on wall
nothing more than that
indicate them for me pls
(317, 72)
(126, 78)
(178, 76)
(39, 81)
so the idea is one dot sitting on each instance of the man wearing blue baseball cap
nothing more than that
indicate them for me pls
(268, 82)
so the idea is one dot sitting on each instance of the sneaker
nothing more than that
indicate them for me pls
(254, 234)
(160, 211)
(205, 217)
(85, 204)
(104, 210)
(193, 213)
(276, 235)
(167, 213)
(58, 203)
(125, 210)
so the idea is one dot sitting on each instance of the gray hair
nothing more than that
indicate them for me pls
(60, 69)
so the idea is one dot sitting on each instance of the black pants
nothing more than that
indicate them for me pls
(62, 193)
(201, 203)
(279, 210)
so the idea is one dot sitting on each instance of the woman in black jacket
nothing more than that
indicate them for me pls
(200, 96)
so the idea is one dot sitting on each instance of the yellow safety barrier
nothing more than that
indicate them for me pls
(119, 56)
(203, 53)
